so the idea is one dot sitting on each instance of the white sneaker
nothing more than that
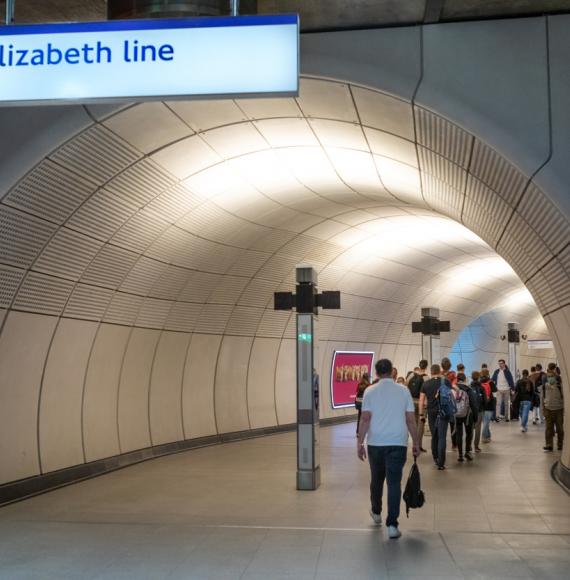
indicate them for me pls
(376, 517)
(393, 532)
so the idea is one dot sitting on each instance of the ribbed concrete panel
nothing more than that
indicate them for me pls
(21, 366)
(244, 321)
(272, 324)
(153, 313)
(100, 425)
(228, 290)
(165, 398)
(531, 242)
(143, 276)
(10, 279)
(542, 293)
(198, 386)
(183, 317)
(230, 388)
(443, 137)
(186, 157)
(557, 277)
(96, 155)
(43, 294)
(60, 413)
(67, 254)
(285, 384)
(148, 126)
(544, 218)
(437, 166)
(101, 215)
(480, 209)
(200, 286)
(88, 302)
(141, 183)
(213, 318)
(21, 237)
(441, 197)
(248, 263)
(173, 204)
(50, 192)
(133, 395)
(171, 282)
(277, 268)
(260, 383)
(259, 293)
(139, 232)
(110, 267)
(497, 173)
(123, 309)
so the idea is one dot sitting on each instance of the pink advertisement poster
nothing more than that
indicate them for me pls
(347, 370)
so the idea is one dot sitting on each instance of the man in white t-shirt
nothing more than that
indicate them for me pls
(387, 417)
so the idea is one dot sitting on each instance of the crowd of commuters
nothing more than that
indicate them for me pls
(392, 407)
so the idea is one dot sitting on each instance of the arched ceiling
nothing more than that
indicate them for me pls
(189, 215)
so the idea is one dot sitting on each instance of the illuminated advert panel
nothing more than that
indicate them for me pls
(150, 59)
(347, 370)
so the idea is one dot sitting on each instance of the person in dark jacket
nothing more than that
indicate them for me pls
(525, 393)
(481, 397)
(465, 423)
(503, 379)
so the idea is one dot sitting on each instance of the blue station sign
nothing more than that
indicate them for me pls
(150, 59)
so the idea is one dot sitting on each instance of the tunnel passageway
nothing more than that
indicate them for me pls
(232, 511)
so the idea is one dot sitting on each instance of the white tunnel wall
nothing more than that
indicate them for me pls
(140, 248)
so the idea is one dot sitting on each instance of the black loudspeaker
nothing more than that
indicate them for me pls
(513, 335)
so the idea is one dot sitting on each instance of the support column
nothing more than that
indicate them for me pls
(430, 330)
(308, 464)
(10, 7)
(513, 337)
(307, 301)
(308, 467)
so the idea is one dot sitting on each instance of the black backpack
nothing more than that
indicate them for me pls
(415, 385)
(413, 494)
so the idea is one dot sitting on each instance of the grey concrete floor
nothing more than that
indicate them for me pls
(232, 511)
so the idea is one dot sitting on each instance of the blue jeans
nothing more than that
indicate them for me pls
(524, 411)
(387, 462)
(486, 420)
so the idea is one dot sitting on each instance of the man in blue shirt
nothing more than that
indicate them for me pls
(387, 418)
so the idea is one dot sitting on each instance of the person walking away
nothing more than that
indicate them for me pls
(481, 398)
(503, 379)
(362, 386)
(538, 378)
(451, 376)
(430, 400)
(387, 418)
(553, 410)
(415, 382)
(465, 416)
(525, 394)
(490, 406)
